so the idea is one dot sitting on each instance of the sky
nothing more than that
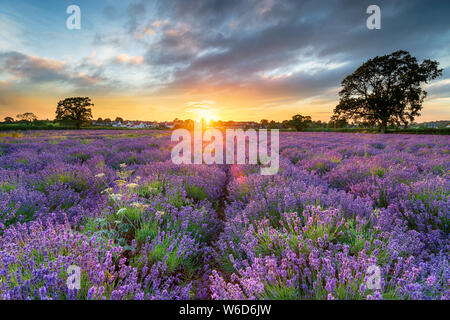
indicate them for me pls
(242, 60)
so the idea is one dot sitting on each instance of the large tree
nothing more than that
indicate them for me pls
(299, 122)
(76, 110)
(386, 90)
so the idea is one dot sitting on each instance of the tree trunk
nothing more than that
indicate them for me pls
(383, 126)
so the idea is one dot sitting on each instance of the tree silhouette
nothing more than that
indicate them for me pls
(273, 125)
(76, 109)
(386, 90)
(28, 117)
(337, 122)
(300, 122)
(9, 120)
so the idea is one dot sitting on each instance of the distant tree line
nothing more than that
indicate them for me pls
(108, 121)
(301, 123)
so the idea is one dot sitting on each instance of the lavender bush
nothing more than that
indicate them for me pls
(140, 227)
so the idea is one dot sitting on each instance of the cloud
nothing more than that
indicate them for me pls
(33, 70)
(281, 46)
(204, 104)
(201, 109)
(21, 66)
(12, 35)
(149, 31)
(160, 23)
(127, 59)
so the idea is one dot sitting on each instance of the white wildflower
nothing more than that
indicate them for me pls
(115, 196)
(132, 186)
(107, 190)
(121, 211)
(120, 182)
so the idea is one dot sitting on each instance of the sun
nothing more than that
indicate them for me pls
(206, 114)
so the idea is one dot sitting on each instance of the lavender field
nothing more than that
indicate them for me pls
(140, 227)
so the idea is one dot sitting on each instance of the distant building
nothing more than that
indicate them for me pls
(169, 125)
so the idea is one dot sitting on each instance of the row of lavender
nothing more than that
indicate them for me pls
(110, 203)
(343, 210)
(140, 227)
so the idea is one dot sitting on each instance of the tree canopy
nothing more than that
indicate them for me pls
(76, 109)
(27, 117)
(386, 90)
(299, 122)
(337, 122)
(264, 122)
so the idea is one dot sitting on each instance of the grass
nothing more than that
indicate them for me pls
(196, 193)
(8, 187)
(13, 134)
(79, 184)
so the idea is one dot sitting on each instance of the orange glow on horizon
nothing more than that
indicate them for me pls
(239, 106)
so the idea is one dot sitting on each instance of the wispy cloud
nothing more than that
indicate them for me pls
(125, 58)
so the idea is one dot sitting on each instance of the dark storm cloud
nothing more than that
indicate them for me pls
(233, 42)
